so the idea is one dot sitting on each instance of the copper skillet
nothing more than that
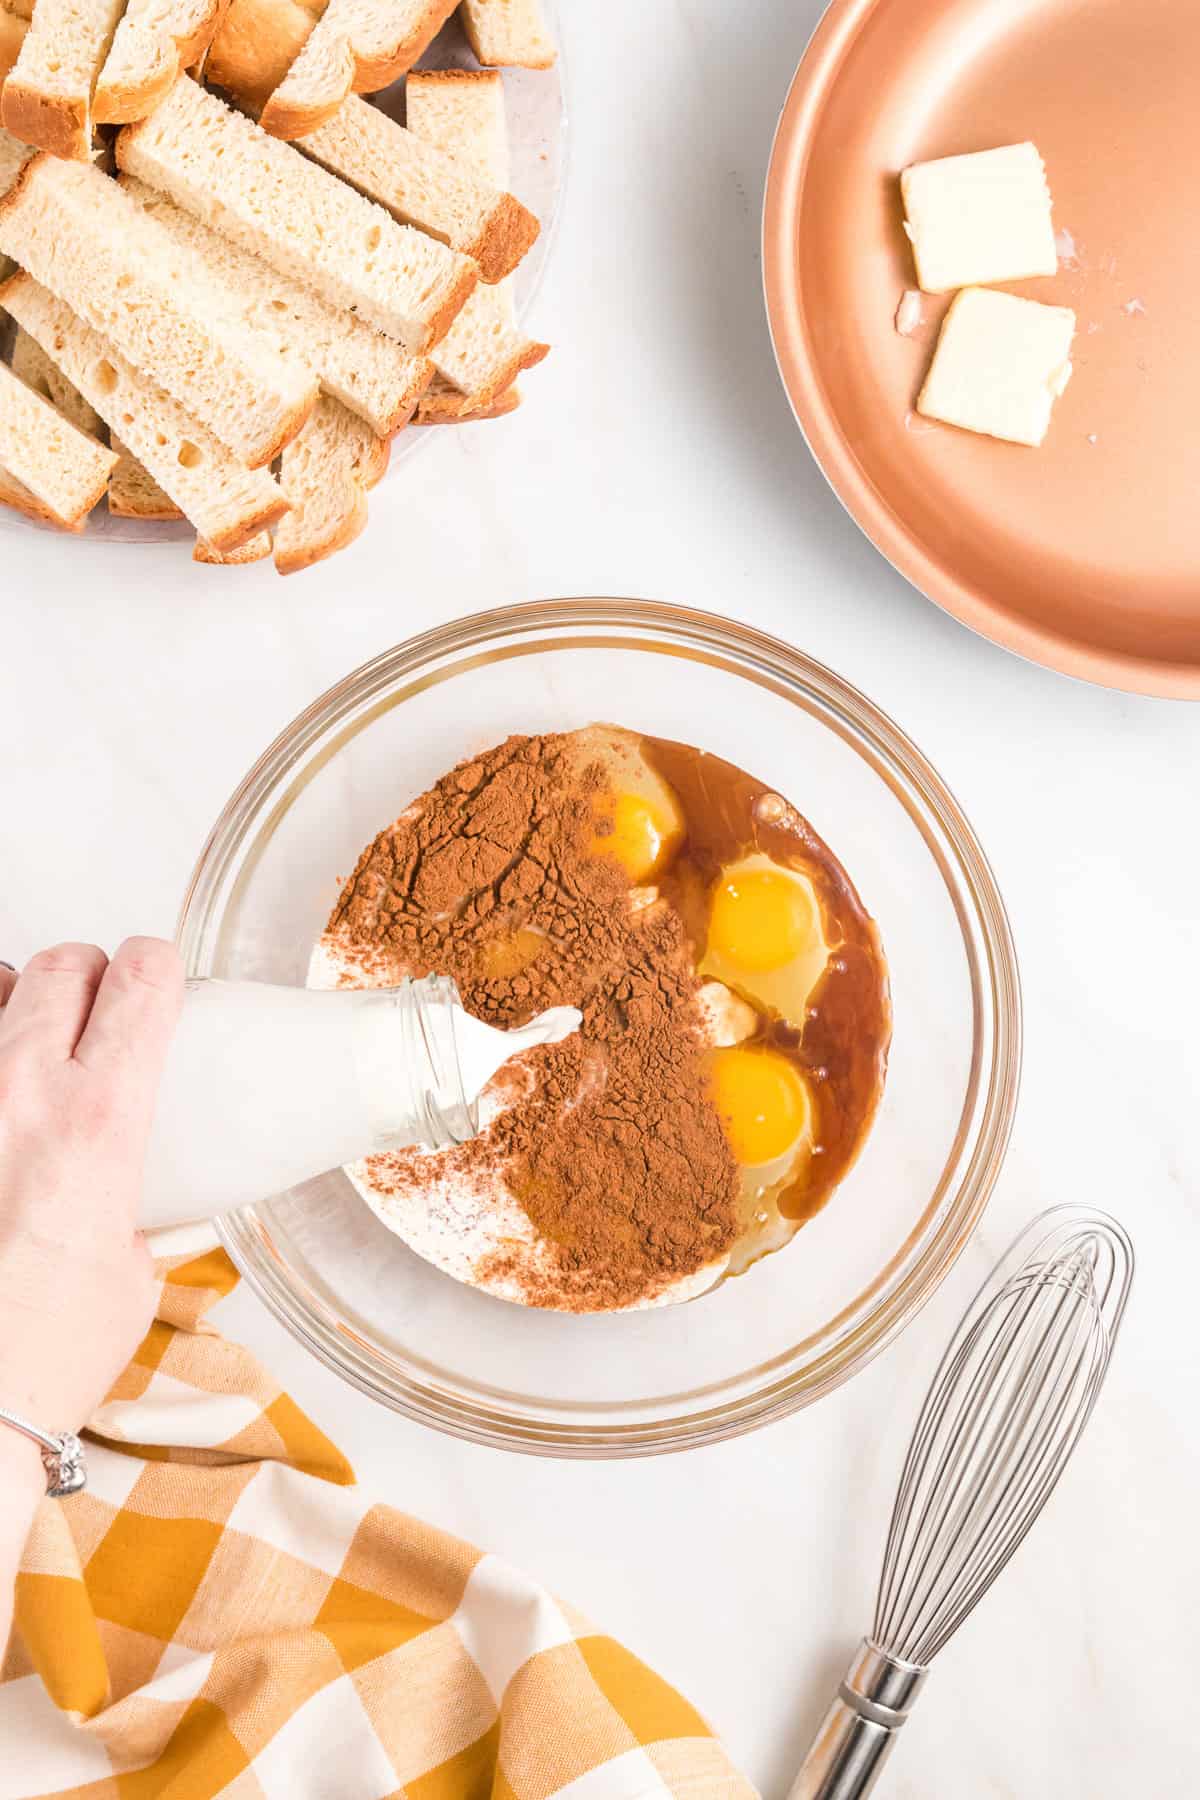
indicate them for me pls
(1083, 555)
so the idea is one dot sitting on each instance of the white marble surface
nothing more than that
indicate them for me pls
(656, 456)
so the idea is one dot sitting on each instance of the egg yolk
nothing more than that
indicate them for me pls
(634, 832)
(503, 957)
(761, 1101)
(761, 919)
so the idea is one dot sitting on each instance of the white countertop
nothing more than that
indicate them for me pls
(656, 456)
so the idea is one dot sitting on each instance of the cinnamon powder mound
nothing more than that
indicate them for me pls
(613, 1148)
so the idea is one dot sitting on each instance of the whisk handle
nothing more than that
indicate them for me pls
(858, 1731)
(846, 1758)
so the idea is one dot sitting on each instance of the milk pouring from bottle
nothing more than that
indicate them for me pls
(267, 1086)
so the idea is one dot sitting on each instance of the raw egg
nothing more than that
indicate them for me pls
(766, 937)
(762, 1103)
(761, 918)
(503, 957)
(636, 830)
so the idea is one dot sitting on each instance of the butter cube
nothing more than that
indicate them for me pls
(979, 218)
(1000, 364)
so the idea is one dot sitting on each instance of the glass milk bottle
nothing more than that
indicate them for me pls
(267, 1086)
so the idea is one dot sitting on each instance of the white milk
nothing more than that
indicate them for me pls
(268, 1086)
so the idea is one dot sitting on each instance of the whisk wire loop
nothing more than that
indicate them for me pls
(1025, 1384)
(1003, 1414)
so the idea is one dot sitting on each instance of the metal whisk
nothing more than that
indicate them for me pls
(1004, 1412)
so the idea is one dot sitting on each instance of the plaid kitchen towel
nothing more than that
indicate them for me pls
(222, 1612)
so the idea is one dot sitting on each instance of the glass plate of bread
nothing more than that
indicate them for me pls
(250, 252)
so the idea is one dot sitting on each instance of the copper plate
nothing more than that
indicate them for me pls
(1085, 554)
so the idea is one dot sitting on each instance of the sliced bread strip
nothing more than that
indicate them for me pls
(461, 111)
(508, 33)
(356, 46)
(154, 41)
(484, 351)
(133, 492)
(225, 501)
(75, 231)
(442, 404)
(16, 495)
(62, 467)
(38, 372)
(47, 98)
(369, 372)
(421, 185)
(256, 44)
(276, 204)
(325, 474)
(42, 374)
(256, 549)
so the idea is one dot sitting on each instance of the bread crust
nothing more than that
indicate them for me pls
(417, 390)
(377, 72)
(375, 466)
(255, 549)
(12, 36)
(366, 472)
(292, 425)
(446, 406)
(527, 357)
(454, 77)
(255, 45)
(465, 282)
(508, 232)
(351, 525)
(290, 117)
(120, 102)
(57, 125)
(267, 515)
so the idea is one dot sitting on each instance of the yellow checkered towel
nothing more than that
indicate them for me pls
(223, 1612)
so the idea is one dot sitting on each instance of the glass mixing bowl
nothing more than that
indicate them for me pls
(799, 1322)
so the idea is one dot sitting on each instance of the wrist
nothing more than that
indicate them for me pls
(39, 1366)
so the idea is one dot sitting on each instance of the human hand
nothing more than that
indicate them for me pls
(82, 1046)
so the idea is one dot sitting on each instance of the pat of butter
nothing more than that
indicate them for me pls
(979, 218)
(1000, 364)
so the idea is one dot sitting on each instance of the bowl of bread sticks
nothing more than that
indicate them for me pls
(250, 249)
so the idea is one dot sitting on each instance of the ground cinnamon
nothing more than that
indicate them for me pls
(617, 1156)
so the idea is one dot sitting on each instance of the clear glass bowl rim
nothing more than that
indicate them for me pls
(977, 1156)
